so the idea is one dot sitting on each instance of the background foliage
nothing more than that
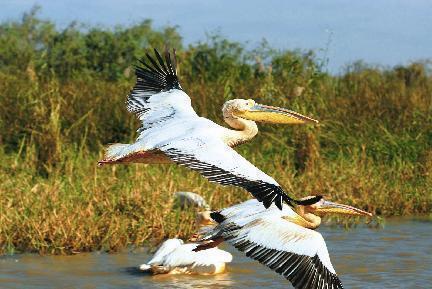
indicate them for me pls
(62, 94)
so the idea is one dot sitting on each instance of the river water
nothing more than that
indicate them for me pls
(399, 255)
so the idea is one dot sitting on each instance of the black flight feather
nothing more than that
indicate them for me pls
(156, 75)
(309, 201)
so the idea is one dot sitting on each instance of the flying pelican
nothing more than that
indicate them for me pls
(175, 257)
(283, 240)
(172, 132)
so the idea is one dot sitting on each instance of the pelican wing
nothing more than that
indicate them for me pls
(219, 163)
(298, 254)
(164, 250)
(185, 256)
(157, 95)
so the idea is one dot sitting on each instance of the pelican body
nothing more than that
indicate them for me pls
(283, 240)
(172, 132)
(175, 257)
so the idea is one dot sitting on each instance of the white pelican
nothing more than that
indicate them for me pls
(175, 257)
(189, 199)
(172, 132)
(283, 240)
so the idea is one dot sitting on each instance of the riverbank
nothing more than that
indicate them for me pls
(87, 208)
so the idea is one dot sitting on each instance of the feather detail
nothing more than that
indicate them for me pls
(153, 77)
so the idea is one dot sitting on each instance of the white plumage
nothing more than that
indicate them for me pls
(164, 249)
(197, 143)
(189, 199)
(172, 132)
(297, 253)
(175, 257)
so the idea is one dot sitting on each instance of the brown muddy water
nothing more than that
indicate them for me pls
(396, 256)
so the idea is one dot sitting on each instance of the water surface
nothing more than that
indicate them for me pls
(396, 256)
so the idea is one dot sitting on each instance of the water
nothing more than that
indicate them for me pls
(397, 256)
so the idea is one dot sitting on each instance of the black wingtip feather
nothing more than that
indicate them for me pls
(160, 59)
(156, 75)
(217, 216)
(309, 201)
(264, 192)
(278, 202)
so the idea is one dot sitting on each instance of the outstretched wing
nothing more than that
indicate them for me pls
(297, 253)
(157, 95)
(219, 163)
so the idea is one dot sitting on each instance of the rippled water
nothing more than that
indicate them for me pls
(397, 256)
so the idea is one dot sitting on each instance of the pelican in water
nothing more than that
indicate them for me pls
(171, 131)
(176, 257)
(283, 240)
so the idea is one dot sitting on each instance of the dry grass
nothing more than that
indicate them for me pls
(86, 208)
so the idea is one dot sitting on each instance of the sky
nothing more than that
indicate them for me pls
(380, 32)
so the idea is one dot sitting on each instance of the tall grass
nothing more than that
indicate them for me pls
(62, 98)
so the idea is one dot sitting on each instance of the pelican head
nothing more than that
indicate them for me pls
(323, 207)
(203, 219)
(250, 110)
(314, 207)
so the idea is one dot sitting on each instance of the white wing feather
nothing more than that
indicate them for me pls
(174, 253)
(155, 109)
(297, 253)
(267, 228)
(185, 256)
(165, 249)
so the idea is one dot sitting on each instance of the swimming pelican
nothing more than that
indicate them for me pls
(172, 132)
(175, 257)
(283, 240)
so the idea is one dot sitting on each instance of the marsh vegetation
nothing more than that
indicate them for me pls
(62, 94)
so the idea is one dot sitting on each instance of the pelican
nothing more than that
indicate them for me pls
(171, 131)
(283, 240)
(176, 257)
(189, 199)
